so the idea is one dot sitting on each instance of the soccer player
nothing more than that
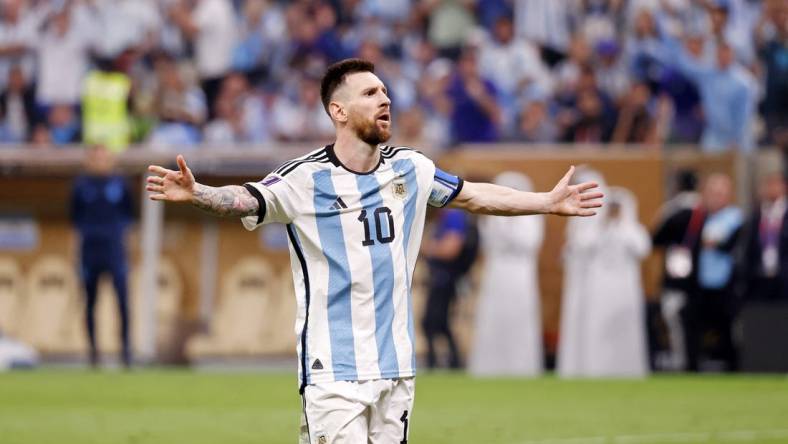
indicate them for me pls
(354, 212)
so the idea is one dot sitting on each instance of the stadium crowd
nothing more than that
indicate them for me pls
(185, 72)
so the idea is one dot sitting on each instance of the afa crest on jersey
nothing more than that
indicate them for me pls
(399, 189)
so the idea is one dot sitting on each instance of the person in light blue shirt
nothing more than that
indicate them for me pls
(713, 308)
(728, 95)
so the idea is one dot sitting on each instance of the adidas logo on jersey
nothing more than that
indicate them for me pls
(317, 365)
(339, 204)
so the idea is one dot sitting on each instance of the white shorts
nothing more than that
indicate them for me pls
(366, 412)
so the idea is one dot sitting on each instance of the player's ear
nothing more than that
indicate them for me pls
(338, 112)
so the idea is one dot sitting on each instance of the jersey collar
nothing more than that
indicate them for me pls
(335, 160)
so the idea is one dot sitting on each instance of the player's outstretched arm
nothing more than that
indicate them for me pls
(180, 186)
(563, 200)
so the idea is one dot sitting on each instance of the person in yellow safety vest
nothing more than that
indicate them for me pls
(105, 118)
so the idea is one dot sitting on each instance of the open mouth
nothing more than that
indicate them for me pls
(385, 117)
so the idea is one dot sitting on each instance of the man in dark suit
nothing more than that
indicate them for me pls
(101, 209)
(18, 107)
(678, 233)
(765, 262)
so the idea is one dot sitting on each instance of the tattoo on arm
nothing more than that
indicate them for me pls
(226, 201)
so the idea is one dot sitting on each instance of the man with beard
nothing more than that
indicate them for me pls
(354, 212)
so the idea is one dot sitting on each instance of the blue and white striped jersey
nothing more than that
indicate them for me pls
(354, 240)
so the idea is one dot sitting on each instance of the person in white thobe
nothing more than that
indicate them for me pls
(612, 336)
(508, 338)
(580, 234)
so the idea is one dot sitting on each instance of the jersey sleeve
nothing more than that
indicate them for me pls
(445, 187)
(278, 199)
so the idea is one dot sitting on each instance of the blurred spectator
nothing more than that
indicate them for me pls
(450, 22)
(513, 65)
(242, 116)
(612, 76)
(401, 88)
(227, 127)
(765, 262)
(727, 93)
(475, 113)
(40, 137)
(417, 54)
(315, 39)
(328, 43)
(577, 256)
(535, 125)
(432, 94)
(644, 50)
(687, 122)
(105, 116)
(413, 130)
(302, 117)
(261, 38)
(508, 338)
(128, 24)
(547, 23)
(590, 125)
(712, 310)
(387, 10)
(580, 85)
(450, 251)
(211, 26)
(489, 11)
(568, 71)
(255, 106)
(610, 330)
(740, 27)
(732, 22)
(64, 51)
(18, 34)
(638, 117)
(101, 210)
(773, 48)
(18, 107)
(172, 39)
(6, 136)
(597, 20)
(249, 52)
(179, 104)
(63, 124)
(612, 325)
(678, 233)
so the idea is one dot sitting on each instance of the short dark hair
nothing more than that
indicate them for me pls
(686, 180)
(335, 75)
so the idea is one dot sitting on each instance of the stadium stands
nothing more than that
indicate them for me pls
(622, 72)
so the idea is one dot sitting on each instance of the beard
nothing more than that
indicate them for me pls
(370, 132)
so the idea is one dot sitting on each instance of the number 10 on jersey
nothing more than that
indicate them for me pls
(380, 217)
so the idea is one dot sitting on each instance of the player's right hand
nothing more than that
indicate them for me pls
(169, 185)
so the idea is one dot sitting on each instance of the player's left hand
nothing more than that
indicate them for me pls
(574, 200)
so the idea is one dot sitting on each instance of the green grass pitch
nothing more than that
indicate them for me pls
(181, 406)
